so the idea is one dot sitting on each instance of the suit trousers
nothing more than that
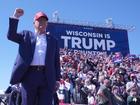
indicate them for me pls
(35, 89)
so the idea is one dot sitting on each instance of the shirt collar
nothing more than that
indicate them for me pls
(47, 33)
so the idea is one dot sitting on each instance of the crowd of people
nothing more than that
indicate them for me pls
(99, 79)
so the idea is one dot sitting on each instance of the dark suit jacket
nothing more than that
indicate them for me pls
(26, 40)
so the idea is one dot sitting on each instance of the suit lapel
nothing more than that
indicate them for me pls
(48, 38)
(33, 43)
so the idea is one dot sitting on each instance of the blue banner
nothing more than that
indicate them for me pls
(91, 39)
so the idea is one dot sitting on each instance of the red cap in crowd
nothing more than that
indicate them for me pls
(39, 15)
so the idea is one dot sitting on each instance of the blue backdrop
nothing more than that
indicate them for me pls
(87, 38)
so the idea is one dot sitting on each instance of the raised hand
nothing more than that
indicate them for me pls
(18, 12)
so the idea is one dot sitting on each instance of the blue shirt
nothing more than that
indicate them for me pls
(40, 50)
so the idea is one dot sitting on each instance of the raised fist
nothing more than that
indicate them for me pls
(18, 12)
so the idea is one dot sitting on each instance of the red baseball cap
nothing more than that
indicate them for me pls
(39, 15)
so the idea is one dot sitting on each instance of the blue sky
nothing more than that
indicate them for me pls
(124, 12)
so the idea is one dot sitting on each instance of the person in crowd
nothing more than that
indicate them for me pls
(117, 96)
(104, 94)
(76, 93)
(133, 81)
(133, 98)
(61, 91)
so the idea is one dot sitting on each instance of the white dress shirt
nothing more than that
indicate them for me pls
(40, 51)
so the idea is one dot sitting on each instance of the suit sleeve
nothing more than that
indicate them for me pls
(57, 62)
(12, 31)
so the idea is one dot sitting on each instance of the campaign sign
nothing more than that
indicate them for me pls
(90, 39)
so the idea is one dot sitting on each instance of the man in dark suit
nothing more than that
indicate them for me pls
(37, 65)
